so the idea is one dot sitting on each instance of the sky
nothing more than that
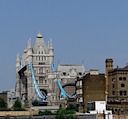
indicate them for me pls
(83, 31)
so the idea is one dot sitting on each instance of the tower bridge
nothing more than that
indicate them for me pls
(36, 78)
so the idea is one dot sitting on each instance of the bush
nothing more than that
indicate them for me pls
(19, 109)
(46, 112)
(72, 107)
(65, 114)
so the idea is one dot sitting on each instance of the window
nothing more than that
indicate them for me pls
(121, 93)
(122, 85)
(80, 73)
(41, 70)
(113, 86)
(120, 78)
(41, 63)
(40, 79)
(113, 92)
(125, 92)
(113, 79)
(124, 78)
(64, 73)
(53, 98)
(45, 81)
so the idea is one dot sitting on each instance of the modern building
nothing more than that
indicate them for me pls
(37, 79)
(90, 88)
(117, 87)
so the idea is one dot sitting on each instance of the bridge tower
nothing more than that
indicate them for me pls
(41, 57)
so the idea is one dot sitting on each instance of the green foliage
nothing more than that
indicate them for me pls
(3, 104)
(46, 112)
(72, 107)
(18, 106)
(5, 109)
(65, 114)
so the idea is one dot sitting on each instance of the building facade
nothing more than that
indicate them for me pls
(41, 57)
(90, 87)
(117, 87)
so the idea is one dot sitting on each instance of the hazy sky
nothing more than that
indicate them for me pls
(82, 30)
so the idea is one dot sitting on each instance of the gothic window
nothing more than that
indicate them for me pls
(40, 70)
(40, 79)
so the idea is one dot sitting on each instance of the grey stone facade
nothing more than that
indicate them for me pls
(42, 58)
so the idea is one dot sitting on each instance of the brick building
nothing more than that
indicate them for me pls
(93, 88)
(117, 87)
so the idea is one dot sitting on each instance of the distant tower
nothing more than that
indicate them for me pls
(109, 66)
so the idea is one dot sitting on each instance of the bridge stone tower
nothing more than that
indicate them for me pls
(41, 57)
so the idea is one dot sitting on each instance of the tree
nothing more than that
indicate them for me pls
(72, 107)
(3, 104)
(65, 114)
(17, 105)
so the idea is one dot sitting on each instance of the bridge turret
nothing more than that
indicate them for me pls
(17, 62)
(51, 51)
(29, 51)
